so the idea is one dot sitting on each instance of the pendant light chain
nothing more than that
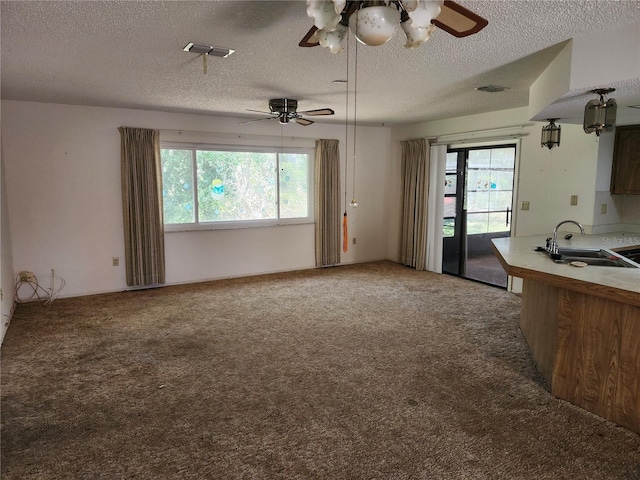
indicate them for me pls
(346, 130)
(354, 203)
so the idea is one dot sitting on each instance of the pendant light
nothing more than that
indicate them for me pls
(550, 134)
(600, 114)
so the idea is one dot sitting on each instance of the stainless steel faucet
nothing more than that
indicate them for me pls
(553, 245)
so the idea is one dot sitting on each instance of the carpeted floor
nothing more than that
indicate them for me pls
(371, 371)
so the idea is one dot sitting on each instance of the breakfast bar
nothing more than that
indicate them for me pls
(582, 323)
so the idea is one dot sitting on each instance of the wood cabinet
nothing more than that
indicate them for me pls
(625, 175)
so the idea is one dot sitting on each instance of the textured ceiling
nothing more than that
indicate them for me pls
(129, 54)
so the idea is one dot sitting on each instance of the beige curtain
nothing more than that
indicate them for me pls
(142, 206)
(327, 205)
(415, 175)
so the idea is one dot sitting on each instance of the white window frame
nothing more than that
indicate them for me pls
(225, 225)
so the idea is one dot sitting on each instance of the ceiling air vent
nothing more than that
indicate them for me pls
(202, 49)
(491, 88)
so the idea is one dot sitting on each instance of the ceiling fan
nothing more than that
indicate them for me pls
(286, 109)
(374, 22)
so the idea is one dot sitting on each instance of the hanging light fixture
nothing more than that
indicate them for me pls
(550, 134)
(600, 114)
(373, 22)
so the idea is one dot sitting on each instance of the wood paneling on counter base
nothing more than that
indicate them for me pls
(597, 361)
(587, 348)
(538, 322)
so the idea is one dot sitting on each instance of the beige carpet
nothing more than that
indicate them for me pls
(370, 371)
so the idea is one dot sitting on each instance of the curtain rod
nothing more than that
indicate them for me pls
(480, 139)
(469, 135)
(248, 136)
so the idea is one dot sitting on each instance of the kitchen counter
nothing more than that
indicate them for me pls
(519, 258)
(582, 324)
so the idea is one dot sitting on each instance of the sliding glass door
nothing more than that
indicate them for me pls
(477, 207)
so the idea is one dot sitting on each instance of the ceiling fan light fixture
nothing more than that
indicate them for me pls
(416, 36)
(325, 14)
(333, 40)
(422, 12)
(550, 134)
(374, 25)
(600, 114)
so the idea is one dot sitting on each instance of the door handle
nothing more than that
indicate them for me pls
(508, 211)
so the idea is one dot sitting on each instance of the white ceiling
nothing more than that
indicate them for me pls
(130, 54)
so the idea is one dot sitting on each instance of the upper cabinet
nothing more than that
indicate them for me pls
(625, 175)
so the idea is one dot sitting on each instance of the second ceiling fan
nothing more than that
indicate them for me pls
(286, 109)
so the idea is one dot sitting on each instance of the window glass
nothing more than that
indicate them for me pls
(177, 186)
(500, 200)
(236, 186)
(294, 188)
(448, 227)
(450, 184)
(227, 188)
(497, 222)
(503, 157)
(449, 206)
(479, 158)
(477, 201)
(477, 223)
(501, 180)
(451, 162)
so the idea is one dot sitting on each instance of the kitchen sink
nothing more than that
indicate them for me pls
(600, 262)
(590, 256)
(584, 252)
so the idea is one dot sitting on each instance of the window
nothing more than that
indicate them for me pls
(227, 187)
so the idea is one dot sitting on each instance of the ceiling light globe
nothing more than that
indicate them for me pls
(332, 40)
(374, 26)
(416, 36)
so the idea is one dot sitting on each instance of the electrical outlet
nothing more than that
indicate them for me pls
(116, 261)
(524, 205)
(603, 209)
(574, 200)
(354, 240)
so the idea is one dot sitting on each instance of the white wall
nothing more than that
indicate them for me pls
(63, 185)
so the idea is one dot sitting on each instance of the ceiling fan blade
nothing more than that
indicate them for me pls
(310, 39)
(258, 111)
(319, 111)
(256, 120)
(459, 21)
(304, 121)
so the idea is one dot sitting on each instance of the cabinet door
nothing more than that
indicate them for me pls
(625, 176)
